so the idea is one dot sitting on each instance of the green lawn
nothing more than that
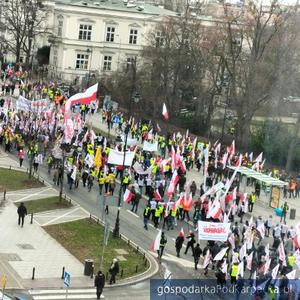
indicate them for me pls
(45, 204)
(84, 239)
(11, 180)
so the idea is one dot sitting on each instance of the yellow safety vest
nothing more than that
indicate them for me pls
(157, 212)
(234, 271)
(291, 260)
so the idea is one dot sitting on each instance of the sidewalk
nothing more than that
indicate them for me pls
(22, 249)
(261, 207)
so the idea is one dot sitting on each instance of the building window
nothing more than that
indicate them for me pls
(110, 34)
(130, 60)
(60, 27)
(85, 32)
(133, 36)
(55, 55)
(107, 63)
(159, 39)
(82, 61)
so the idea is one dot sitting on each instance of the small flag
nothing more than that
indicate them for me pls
(275, 271)
(157, 195)
(291, 275)
(221, 254)
(127, 196)
(165, 112)
(156, 243)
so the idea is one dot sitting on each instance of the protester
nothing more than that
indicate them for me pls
(99, 283)
(22, 212)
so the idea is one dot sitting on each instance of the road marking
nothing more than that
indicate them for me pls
(59, 217)
(63, 296)
(35, 194)
(131, 212)
(62, 291)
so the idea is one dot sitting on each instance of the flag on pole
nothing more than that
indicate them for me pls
(206, 259)
(275, 271)
(165, 112)
(127, 196)
(221, 254)
(86, 97)
(241, 269)
(297, 241)
(155, 245)
(249, 259)
(243, 251)
(281, 252)
(157, 195)
(291, 275)
(267, 266)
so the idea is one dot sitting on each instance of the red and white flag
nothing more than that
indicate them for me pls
(291, 275)
(275, 271)
(297, 241)
(188, 202)
(157, 195)
(267, 266)
(181, 233)
(155, 245)
(215, 211)
(165, 112)
(241, 269)
(220, 255)
(243, 251)
(281, 252)
(249, 259)
(206, 259)
(127, 196)
(82, 98)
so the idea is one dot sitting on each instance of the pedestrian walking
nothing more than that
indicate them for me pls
(162, 245)
(22, 212)
(21, 156)
(179, 242)
(285, 209)
(113, 270)
(191, 242)
(197, 253)
(99, 283)
(147, 212)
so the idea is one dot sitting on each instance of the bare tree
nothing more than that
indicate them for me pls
(24, 20)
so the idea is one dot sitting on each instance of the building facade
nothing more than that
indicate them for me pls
(93, 38)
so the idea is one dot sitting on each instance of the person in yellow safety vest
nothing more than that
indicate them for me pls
(161, 207)
(154, 169)
(291, 260)
(144, 128)
(107, 149)
(234, 272)
(252, 200)
(272, 292)
(125, 182)
(101, 181)
(157, 214)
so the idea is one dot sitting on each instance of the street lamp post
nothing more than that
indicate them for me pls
(133, 97)
(89, 67)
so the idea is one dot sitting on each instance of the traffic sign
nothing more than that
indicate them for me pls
(67, 279)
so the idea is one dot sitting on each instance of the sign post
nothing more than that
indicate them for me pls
(105, 241)
(67, 281)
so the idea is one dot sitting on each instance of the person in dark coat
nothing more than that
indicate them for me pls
(191, 242)
(99, 284)
(178, 243)
(113, 270)
(22, 212)
(197, 253)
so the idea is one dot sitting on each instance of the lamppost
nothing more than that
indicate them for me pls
(89, 51)
(225, 83)
(133, 97)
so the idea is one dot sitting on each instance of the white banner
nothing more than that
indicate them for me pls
(211, 231)
(130, 142)
(138, 168)
(34, 106)
(116, 157)
(150, 147)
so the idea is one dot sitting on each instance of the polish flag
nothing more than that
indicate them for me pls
(241, 269)
(251, 157)
(249, 259)
(157, 195)
(231, 149)
(275, 271)
(82, 98)
(224, 160)
(127, 196)
(206, 259)
(259, 158)
(231, 240)
(173, 182)
(155, 245)
(281, 252)
(218, 149)
(261, 229)
(188, 202)
(220, 254)
(243, 251)
(215, 210)
(267, 266)
(291, 275)
(297, 241)
(165, 112)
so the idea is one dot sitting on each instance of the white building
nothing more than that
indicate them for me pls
(98, 36)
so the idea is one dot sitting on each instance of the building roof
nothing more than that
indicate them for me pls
(120, 5)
